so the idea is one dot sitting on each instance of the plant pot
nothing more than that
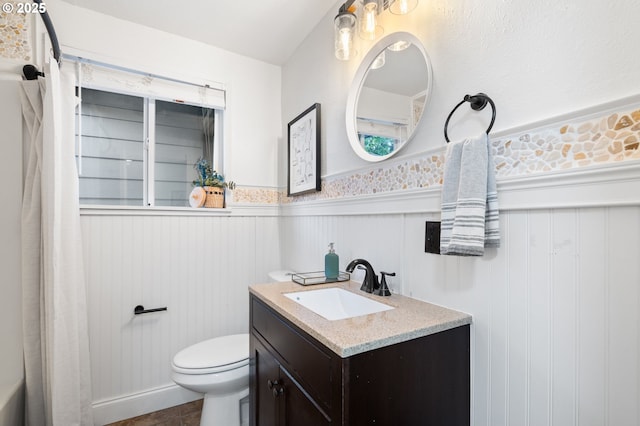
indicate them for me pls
(215, 197)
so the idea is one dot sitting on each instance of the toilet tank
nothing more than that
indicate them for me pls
(280, 276)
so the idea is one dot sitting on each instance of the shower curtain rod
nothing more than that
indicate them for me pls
(55, 45)
(51, 31)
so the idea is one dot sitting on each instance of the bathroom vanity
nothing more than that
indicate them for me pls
(404, 366)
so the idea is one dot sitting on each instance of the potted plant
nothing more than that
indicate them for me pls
(212, 183)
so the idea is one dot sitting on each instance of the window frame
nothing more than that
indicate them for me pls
(149, 124)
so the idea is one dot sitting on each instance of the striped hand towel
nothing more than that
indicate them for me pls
(469, 199)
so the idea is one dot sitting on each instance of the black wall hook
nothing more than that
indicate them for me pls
(477, 102)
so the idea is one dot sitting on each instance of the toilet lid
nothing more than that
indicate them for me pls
(217, 352)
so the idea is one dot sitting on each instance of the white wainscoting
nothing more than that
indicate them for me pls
(556, 310)
(199, 267)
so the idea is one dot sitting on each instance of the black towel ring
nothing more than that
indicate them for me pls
(478, 102)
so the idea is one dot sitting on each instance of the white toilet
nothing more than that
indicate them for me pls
(218, 368)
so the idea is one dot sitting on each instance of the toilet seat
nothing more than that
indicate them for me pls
(215, 355)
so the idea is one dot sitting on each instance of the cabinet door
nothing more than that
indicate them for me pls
(280, 400)
(267, 387)
(299, 408)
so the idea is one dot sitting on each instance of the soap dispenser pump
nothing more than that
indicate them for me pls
(331, 262)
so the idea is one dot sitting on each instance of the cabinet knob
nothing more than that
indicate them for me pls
(275, 388)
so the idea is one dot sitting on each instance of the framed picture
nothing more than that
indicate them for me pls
(304, 152)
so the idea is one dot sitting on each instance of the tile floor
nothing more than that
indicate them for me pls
(181, 415)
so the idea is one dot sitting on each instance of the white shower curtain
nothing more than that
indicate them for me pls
(56, 346)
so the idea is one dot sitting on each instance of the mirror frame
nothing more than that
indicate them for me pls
(358, 81)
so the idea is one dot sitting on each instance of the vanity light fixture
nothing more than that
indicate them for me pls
(402, 7)
(345, 24)
(344, 31)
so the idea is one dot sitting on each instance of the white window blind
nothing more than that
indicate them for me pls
(121, 80)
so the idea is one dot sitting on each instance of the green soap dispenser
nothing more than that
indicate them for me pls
(331, 262)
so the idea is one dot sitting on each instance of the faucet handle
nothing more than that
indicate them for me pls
(384, 289)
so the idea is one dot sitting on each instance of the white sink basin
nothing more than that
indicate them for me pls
(336, 303)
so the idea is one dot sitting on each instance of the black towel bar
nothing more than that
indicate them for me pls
(478, 102)
(141, 310)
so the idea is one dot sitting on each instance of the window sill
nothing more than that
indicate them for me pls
(98, 210)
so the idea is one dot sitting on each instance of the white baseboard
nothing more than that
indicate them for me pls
(125, 407)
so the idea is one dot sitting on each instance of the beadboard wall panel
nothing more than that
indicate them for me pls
(199, 267)
(556, 309)
(378, 239)
(556, 326)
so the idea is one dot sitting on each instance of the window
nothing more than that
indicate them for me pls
(110, 149)
(183, 134)
(380, 137)
(378, 145)
(137, 147)
(115, 163)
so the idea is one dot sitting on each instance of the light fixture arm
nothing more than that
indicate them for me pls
(345, 7)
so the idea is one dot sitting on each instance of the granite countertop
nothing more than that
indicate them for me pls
(410, 319)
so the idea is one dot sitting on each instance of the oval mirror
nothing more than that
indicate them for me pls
(388, 96)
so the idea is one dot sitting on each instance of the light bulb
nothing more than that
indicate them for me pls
(344, 43)
(369, 28)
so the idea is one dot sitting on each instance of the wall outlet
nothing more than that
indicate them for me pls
(432, 238)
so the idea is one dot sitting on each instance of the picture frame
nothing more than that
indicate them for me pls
(303, 152)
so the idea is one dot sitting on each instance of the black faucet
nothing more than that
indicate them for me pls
(370, 283)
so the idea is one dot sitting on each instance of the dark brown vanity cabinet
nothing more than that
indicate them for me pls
(297, 381)
(280, 398)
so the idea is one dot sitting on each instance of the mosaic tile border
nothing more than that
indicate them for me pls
(578, 143)
(15, 41)
(607, 139)
(254, 195)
